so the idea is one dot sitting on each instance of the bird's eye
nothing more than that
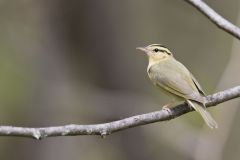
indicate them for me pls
(156, 50)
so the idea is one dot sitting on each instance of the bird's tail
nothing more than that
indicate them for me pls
(205, 115)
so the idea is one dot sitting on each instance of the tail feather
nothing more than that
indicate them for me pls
(205, 115)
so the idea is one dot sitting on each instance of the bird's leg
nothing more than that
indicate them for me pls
(167, 108)
(172, 103)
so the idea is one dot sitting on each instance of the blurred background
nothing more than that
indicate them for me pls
(64, 62)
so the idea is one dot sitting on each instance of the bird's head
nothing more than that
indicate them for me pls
(156, 52)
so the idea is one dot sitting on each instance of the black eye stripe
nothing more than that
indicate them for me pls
(161, 50)
(168, 53)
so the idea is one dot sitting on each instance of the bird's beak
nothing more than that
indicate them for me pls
(142, 49)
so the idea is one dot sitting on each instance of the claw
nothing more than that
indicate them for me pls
(166, 108)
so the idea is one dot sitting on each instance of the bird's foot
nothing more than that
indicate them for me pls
(167, 109)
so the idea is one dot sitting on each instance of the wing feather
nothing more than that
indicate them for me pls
(198, 86)
(176, 79)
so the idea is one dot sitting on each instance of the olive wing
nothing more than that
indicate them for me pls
(198, 86)
(175, 78)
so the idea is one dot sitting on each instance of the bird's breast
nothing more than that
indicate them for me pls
(154, 72)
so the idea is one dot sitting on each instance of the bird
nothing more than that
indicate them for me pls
(176, 80)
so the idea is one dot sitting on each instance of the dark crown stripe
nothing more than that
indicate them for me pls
(158, 45)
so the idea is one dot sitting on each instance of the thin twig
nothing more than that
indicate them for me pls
(111, 127)
(215, 17)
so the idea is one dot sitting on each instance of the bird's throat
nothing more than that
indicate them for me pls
(155, 60)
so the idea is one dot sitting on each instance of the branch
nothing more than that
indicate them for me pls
(215, 17)
(111, 127)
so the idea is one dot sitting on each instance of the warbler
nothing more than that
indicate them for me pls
(172, 76)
